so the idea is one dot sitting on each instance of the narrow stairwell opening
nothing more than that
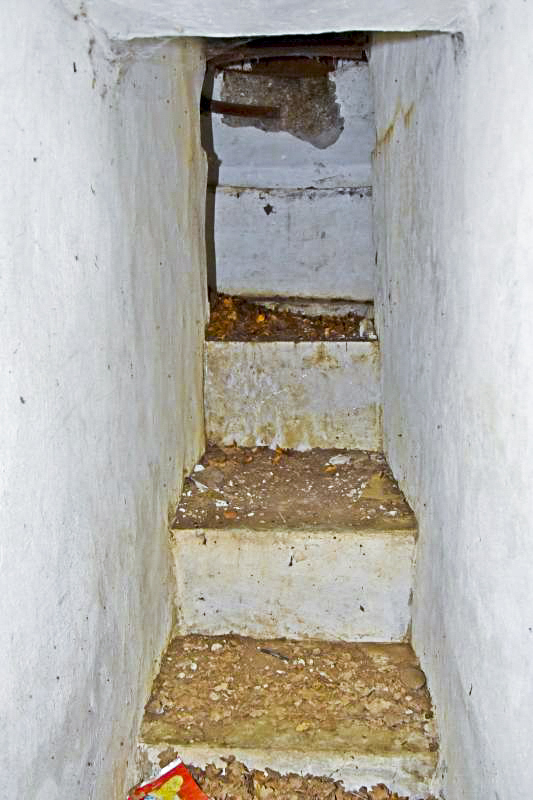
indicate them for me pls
(287, 126)
(293, 546)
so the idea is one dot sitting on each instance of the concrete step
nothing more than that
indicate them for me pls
(257, 251)
(294, 544)
(297, 394)
(358, 713)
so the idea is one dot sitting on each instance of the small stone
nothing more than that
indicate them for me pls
(213, 477)
(193, 665)
(366, 329)
(340, 459)
(216, 646)
(199, 468)
(378, 705)
(412, 677)
(214, 696)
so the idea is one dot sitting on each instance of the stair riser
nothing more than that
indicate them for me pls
(349, 586)
(296, 395)
(411, 775)
(332, 255)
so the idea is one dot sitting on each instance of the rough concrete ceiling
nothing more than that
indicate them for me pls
(128, 19)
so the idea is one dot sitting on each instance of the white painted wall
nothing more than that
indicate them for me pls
(102, 311)
(317, 240)
(454, 218)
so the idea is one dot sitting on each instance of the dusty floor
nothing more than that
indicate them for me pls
(236, 319)
(258, 487)
(236, 782)
(239, 692)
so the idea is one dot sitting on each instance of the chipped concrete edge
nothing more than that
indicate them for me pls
(410, 773)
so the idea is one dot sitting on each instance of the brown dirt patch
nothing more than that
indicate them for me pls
(237, 692)
(239, 320)
(257, 487)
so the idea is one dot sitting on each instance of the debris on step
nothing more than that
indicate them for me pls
(311, 692)
(237, 319)
(330, 709)
(237, 782)
(258, 487)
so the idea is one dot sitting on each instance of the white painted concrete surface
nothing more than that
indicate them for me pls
(255, 158)
(334, 584)
(454, 200)
(295, 395)
(316, 239)
(409, 773)
(130, 19)
(308, 243)
(102, 312)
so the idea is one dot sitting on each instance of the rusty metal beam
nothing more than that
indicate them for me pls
(237, 56)
(238, 109)
(296, 67)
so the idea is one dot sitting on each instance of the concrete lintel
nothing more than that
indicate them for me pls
(154, 18)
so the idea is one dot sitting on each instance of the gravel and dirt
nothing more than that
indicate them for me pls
(260, 488)
(237, 319)
(237, 782)
(237, 692)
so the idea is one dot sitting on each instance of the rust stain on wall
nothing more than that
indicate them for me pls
(384, 138)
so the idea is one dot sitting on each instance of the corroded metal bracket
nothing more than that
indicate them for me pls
(237, 109)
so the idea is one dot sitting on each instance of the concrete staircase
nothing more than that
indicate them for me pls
(294, 577)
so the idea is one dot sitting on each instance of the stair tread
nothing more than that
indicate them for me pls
(230, 692)
(261, 489)
(239, 319)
